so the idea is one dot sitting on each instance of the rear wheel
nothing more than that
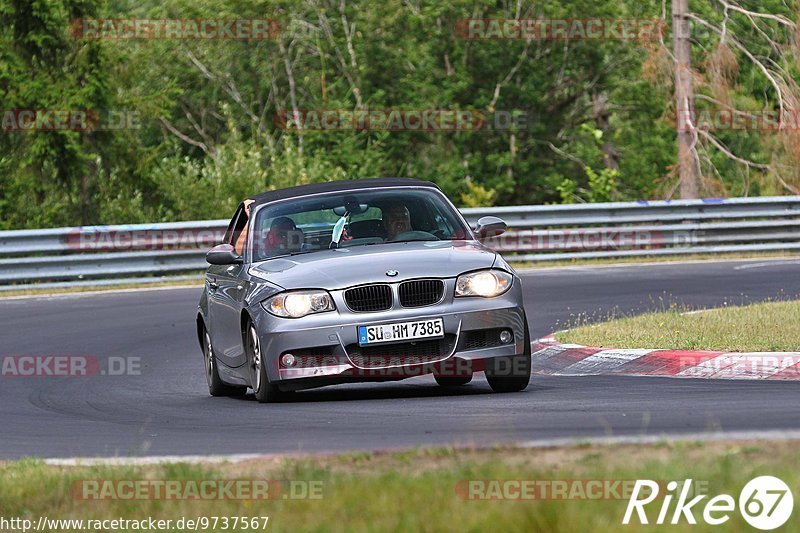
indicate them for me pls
(511, 374)
(216, 387)
(266, 392)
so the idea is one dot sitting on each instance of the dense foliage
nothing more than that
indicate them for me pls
(596, 120)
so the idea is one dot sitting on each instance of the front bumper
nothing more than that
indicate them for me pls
(325, 345)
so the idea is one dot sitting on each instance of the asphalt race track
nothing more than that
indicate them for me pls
(166, 409)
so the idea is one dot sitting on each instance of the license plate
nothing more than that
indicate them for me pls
(401, 331)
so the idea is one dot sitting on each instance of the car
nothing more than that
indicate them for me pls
(375, 279)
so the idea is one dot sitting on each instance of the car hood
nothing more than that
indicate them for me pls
(345, 267)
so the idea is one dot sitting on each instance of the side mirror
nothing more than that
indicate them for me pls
(490, 227)
(223, 254)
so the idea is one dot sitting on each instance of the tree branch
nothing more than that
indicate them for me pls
(185, 138)
(752, 58)
(522, 56)
(730, 154)
(777, 18)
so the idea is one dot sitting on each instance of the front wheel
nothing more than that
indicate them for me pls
(266, 392)
(511, 374)
(216, 387)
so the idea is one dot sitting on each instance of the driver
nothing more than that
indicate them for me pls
(283, 235)
(396, 220)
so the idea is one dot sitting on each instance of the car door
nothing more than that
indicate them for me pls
(226, 289)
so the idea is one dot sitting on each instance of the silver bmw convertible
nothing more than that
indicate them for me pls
(366, 280)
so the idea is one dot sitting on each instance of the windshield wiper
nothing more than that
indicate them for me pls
(361, 244)
(289, 254)
(413, 240)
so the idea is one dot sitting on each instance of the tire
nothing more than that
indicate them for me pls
(217, 387)
(452, 381)
(266, 392)
(511, 374)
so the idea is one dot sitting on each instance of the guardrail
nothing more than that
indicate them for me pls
(69, 256)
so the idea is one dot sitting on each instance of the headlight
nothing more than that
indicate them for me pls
(299, 303)
(484, 283)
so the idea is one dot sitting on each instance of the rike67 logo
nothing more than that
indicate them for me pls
(765, 503)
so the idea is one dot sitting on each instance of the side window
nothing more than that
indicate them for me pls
(236, 234)
(228, 238)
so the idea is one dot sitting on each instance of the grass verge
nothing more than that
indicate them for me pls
(416, 490)
(761, 327)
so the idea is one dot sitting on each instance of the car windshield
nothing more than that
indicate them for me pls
(354, 218)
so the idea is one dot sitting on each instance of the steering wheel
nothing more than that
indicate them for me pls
(415, 236)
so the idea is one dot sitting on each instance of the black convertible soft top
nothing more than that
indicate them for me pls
(334, 186)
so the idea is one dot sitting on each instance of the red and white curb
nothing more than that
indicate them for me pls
(553, 358)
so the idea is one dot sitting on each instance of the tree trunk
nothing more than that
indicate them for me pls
(688, 168)
(602, 118)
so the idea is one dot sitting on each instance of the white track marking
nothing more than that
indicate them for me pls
(767, 264)
(776, 435)
(540, 443)
(546, 269)
(696, 312)
(153, 460)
